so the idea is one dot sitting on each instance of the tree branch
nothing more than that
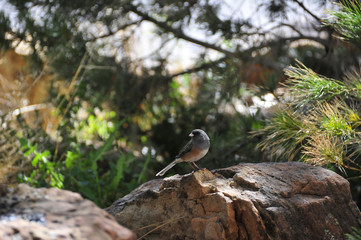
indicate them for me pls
(307, 10)
(289, 39)
(111, 33)
(247, 53)
(197, 69)
(292, 27)
(178, 33)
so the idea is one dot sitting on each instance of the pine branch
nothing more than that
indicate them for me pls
(111, 33)
(307, 10)
(178, 32)
(197, 69)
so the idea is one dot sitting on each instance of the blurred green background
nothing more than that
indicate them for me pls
(98, 96)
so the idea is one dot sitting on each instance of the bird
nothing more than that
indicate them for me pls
(194, 150)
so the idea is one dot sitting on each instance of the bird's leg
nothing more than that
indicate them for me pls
(191, 165)
(196, 165)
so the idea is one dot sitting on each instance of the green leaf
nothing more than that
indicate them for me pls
(24, 143)
(31, 150)
(46, 153)
(35, 161)
(108, 143)
(142, 176)
(119, 170)
(88, 193)
(70, 158)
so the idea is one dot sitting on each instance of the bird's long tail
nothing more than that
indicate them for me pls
(170, 165)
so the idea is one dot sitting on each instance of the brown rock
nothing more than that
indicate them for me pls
(247, 201)
(28, 213)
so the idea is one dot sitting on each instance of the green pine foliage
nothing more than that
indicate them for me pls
(284, 135)
(320, 125)
(321, 122)
(347, 21)
(355, 235)
(307, 87)
(322, 119)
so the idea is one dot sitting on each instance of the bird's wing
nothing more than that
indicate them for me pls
(187, 148)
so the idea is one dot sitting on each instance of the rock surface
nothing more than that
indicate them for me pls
(28, 213)
(247, 201)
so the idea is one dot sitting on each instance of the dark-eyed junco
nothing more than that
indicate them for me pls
(194, 150)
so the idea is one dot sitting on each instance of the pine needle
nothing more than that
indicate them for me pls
(162, 224)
